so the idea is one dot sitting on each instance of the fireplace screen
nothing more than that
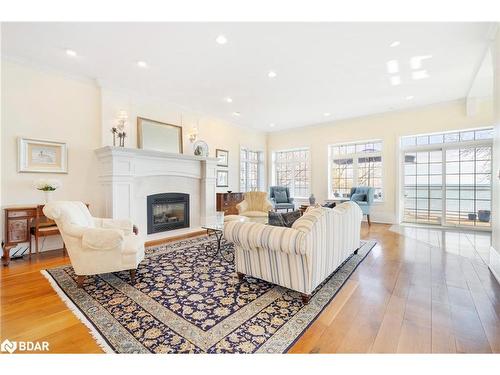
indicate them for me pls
(167, 211)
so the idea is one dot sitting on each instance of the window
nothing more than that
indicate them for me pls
(356, 164)
(292, 169)
(447, 178)
(250, 169)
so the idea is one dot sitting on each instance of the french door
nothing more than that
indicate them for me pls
(448, 186)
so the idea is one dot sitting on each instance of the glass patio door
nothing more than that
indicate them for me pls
(423, 187)
(468, 186)
(447, 178)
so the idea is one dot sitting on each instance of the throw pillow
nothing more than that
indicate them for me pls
(290, 217)
(358, 197)
(280, 196)
(275, 219)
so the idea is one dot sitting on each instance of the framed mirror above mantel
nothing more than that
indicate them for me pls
(159, 136)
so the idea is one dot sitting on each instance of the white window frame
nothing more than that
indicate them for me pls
(444, 146)
(260, 168)
(355, 161)
(292, 183)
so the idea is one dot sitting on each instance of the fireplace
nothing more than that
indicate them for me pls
(167, 211)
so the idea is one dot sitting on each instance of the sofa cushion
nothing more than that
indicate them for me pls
(283, 219)
(358, 197)
(280, 196)
(290, 217)
(276, 219)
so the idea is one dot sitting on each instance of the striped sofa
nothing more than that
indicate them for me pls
(301, 257)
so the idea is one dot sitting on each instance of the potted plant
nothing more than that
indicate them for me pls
(47, 186)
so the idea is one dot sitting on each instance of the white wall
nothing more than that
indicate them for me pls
(388, 127)
(217, 133)
(46, 105)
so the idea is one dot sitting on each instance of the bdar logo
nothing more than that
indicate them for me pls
(8, 346)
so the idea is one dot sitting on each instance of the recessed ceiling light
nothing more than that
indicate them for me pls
(409, 97)
(272, 74)
(142, 64)
(236, 114)
(416, 61)
(221, 39)
(71, 53)
(392, 66)
(228, 100)
(420, 74)
(395, 80)
(395, 43)
(272, 125)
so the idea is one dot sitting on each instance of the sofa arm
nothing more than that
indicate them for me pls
(254, 236)
(124, 224)
(242, 206)
(102, 239)
(290, 200)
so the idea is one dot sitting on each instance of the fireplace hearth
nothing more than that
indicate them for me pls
(167, 211)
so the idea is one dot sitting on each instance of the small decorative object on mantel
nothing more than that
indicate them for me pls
(48, 186)
(222, 178)
(201, 148)
(35, 155)
(312, 200)
(223, 157)
(119, 130)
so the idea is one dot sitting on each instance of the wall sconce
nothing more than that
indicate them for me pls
(193, 135)
(119, 130)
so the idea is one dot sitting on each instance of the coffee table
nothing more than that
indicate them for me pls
(217, 246)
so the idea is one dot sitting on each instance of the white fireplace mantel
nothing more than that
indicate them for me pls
(128, 176)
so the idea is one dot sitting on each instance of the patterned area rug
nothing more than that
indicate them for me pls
(187, 301)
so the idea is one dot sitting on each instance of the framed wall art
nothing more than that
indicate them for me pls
(222, 178)
(222, 157)
(41, 156)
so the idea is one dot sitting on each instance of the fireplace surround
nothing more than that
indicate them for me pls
(167, 211)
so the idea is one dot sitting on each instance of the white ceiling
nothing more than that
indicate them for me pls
(339, 68)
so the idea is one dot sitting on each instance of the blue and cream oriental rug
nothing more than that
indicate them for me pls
(186, 301)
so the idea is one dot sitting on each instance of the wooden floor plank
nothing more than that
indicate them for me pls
(417, 291)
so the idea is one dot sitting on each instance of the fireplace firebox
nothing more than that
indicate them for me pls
(167, 211)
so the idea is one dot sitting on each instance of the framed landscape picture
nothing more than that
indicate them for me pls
(222, 157)
(40, 156)
(222, 178)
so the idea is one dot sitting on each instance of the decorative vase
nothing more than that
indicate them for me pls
(312, 199)
(48, 195)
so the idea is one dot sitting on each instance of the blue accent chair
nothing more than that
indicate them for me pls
(363, 196)
(284, 204)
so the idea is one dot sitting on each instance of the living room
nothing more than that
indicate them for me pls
(258, 187)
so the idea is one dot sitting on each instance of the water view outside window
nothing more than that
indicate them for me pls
(447, 178)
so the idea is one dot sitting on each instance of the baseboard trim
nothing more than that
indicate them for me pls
(174, 238)
(494, 264)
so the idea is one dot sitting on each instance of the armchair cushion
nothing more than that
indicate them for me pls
(280, 196)
(102, 239)
(357, 197)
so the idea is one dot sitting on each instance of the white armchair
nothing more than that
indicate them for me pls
(255, 206)
(96, 245)
(301, 257)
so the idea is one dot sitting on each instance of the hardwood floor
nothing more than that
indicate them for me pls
(418, 291)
